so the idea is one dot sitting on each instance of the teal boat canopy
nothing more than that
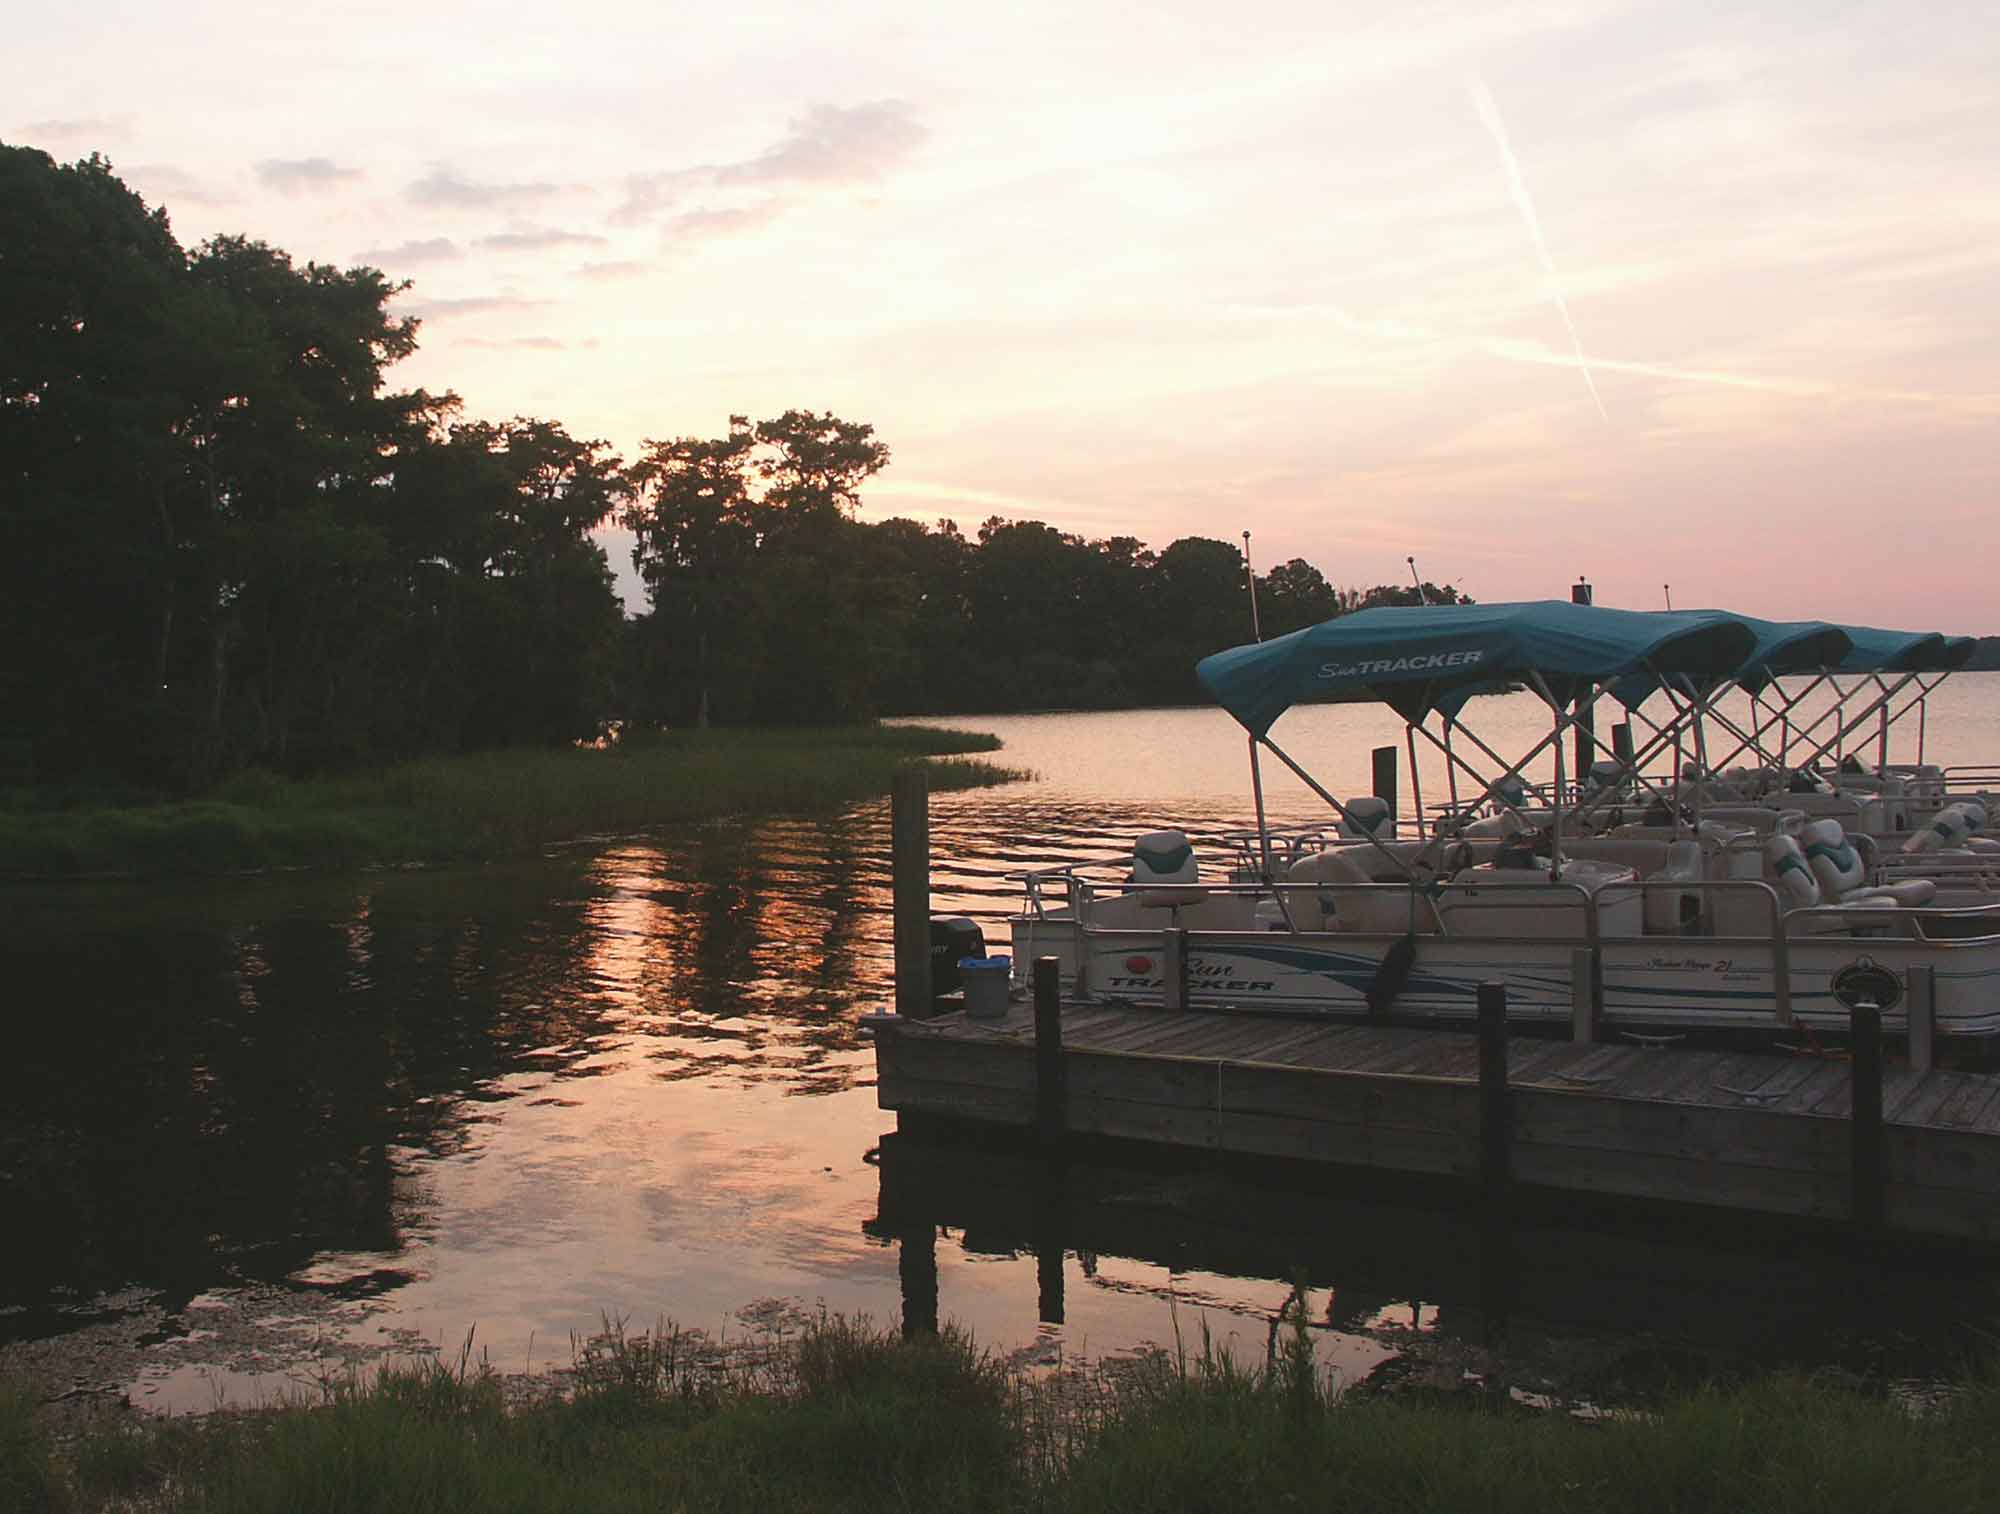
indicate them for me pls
(1878, 651)
(1782, 646)
(1419, 658)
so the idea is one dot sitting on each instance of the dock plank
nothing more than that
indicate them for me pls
(1921, 1102)
(1967, 1104)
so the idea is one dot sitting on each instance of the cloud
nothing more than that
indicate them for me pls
(829, 144)
(529, 238)
(533, 343)
(708, 222)
(480, 304)
(91, 129)
(160, 182)
(604, 272)
(431, 250)
(647, 194)
(835, 144)
(303, 175)
(443, 189)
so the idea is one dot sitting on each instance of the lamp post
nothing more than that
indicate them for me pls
(1256, 629)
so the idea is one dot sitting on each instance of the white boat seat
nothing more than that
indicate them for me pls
(1835, 862)
(1368, 816)
(1910, 893)
(1510, 822)
(1165, 857)
(1949, 828)
(1383, 908)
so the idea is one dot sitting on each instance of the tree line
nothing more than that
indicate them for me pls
(226, 541)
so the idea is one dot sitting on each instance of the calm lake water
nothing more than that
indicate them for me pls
(256, 1123)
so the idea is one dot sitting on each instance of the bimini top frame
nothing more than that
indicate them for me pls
(1432, 658)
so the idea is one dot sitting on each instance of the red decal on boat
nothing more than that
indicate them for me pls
(1138, 964)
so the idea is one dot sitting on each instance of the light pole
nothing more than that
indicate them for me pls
(1256, 629)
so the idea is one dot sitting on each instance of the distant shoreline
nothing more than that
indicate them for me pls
(478, 807)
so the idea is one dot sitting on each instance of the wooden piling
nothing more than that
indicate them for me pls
(1383, 785)
(1585, 710)
(910, 876)
(1583, 995)
(1922, 1012)
(1867, 1150)
(1496, 1127)
(1051, 1087)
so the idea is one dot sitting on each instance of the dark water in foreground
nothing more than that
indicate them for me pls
(629, 1080)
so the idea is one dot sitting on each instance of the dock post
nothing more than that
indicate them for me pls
(1923, 1018)
(910, 877)
(1496, 1129)
(1865, 1122)
(1383, 786)
(1583, 995)
(1051, 1094)
(1173, 969)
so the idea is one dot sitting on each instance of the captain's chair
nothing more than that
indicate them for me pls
(1164, 857)
(1368, 816)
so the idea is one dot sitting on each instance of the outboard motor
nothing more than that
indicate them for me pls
(952, 937)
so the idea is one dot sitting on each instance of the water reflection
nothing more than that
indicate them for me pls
(1593, 1302)
(630, 1079)
(225, 1082)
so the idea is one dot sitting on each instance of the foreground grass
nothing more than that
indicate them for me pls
(487, 805)
(846, 1417)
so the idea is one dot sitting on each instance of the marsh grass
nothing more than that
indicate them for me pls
(844, 1416)
(479, 806)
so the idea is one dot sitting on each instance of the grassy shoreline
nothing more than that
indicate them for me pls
(843, 1416)
(478, 807)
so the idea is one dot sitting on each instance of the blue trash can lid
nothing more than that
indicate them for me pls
(986, 964)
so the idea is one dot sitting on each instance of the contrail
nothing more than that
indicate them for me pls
(1489, 116)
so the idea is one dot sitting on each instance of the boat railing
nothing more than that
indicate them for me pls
(1778, 936)
(1985, 774)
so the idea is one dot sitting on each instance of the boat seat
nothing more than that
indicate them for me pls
(1164, 857)
(1383, 908)
(1910, 893)
(1510, 822)
(1835, 862)
(1368, 816)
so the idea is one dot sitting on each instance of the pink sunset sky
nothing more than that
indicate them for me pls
(1655, 293)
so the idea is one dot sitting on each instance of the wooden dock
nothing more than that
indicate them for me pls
(1758, 1131)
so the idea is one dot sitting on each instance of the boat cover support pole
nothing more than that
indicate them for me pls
(1556, 813)
(1338, 808)
(1263, 830)
(1416, 780)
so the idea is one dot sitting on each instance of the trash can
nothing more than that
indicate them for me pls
(985, 980)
